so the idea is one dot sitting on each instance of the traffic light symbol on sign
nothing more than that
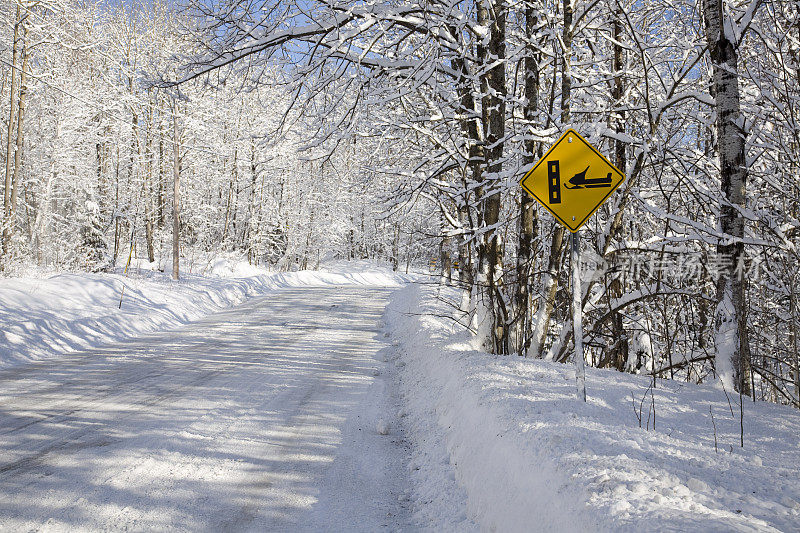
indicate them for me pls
(554, 181)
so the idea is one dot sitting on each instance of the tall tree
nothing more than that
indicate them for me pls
(10, 145)
(733, 349)
(176, 195)
(618, 356)
(548, 300)
(528, 220)
(493, 314)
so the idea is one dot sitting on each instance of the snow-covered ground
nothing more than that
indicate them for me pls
(46, 317)
(345, 399)
(267, 416)
(502, 444)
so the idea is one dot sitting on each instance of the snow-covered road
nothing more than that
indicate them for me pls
(260, 417)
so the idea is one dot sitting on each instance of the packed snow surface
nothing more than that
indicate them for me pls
(260, 417)
(43, 318)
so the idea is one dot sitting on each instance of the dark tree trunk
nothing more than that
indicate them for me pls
(554, 261)
(446, 277)
(493, 317)
(528, 221)
(619, 345)
(471, 175)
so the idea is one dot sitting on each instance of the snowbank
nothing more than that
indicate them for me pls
(524, 455)
(42, 318)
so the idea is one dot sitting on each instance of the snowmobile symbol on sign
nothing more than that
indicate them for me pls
(579, 181)
(572, 200)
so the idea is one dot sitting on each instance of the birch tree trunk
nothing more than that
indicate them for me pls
(237, 242)
(117, 223)
(161, 177)
(176, 203)
(554, 260)
(41, 224)
(542, 324)
(252, 207)
(9, 138)
(730, 321)
(17, 175)
(148, 186)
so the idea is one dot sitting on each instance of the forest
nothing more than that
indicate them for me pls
(297, 132)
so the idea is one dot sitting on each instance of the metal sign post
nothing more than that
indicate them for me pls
(571, 181)
(577, 319)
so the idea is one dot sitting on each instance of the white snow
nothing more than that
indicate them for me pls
(297, 406)
(44, 318)
(726, 339)
(261, 417)
(527, 456)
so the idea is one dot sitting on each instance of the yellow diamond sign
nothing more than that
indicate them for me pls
(572, 180)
